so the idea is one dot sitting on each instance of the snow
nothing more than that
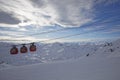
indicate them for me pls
(82, 69)
(46, 53)
(64, 61)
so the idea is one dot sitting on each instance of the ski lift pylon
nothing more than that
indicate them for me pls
(32, 47)
(14, 50)
(23, 49)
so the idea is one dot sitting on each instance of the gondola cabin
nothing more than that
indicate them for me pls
(32, 47)
(23, 49)
(14, 50)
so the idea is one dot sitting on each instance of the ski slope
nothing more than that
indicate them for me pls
(103, 63)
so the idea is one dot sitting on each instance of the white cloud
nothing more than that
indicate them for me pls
(68, 13)
(49, 12)
(21, 14)
(24, 11)
(73, 12)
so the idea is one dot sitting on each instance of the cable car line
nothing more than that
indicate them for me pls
(32, 48)
(68, 36)
(52, 39)
(57, 38)
(46, 32)
(51, 31)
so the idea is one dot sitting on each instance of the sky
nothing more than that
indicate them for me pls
(94, 20)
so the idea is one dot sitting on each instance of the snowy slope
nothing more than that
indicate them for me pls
(46, 53)
(109, 49)
(58, 51)
(103, 63)
(86, 68)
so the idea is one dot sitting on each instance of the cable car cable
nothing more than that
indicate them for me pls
(51, 31)
(52, 39)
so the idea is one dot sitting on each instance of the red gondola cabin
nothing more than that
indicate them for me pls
(32, 47)
(14, 50)
(23, 49)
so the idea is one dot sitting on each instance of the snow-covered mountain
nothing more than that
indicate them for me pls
(64, 61)
(58, 51)
(45, 53)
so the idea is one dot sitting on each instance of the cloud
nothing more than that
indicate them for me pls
(105, 2)
(7, 18)
(94, 28)
(67, 13)
(26, 12)
(26, 39)
(24, 17)
(45, 12)
(39, 3)
(72, 13)
(112, 30)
